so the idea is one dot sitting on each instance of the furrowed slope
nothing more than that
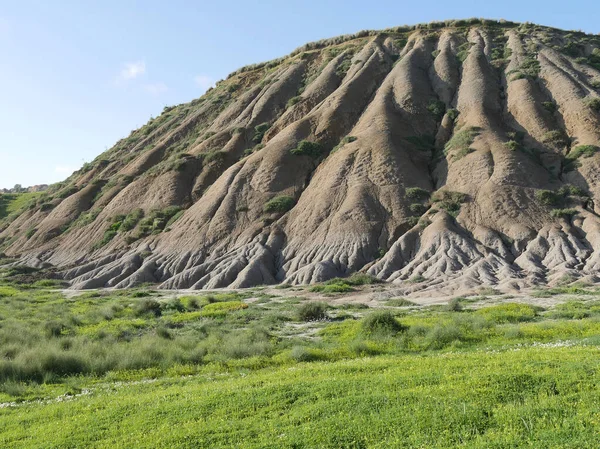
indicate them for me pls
(439, 157)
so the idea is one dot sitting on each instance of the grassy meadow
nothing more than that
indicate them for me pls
(264, 368)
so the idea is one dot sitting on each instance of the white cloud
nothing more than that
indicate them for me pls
(64, 169)
(156, 88)
(204, 81)
(132, 70)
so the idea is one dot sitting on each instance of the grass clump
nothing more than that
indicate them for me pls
(417, 193)
(563, 213)
(548, 197)
(437, 109)
(593, 103)
(381, 322)
(292, 101)
(157, 221)
(549, 106)
(307, 148)
(344, 141)
(461, 141)
(131, 220)
(279, 204)
(312, 311)
(582, 151)
(555, 137)
(259, 132)
(449, 201)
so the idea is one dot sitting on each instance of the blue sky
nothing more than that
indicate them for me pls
(78, 75)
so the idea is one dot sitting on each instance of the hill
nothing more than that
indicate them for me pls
(440, 157)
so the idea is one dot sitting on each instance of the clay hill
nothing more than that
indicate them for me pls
(440, 157)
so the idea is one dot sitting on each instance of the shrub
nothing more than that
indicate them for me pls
(571, 190)
(437, 109)
(554, 137)
(416, 279)
(416, 193)
(303, 354)
(157, 221)
(563, 213)
(452, 114)
(417, 208)
(147, 306)
(442, 335)
(513, 145)
(259, 132)
(131, 220)
(582, 151)
(461, 141)
(380, 322)
(216, 157)
(279, 204)
(547, 197)
(454, 305)
(292, 101)
(343, 142)
(355, 279)
(338, 287)
(312, 311)
(550, 106)
(449, 201)
(593, 103)
(307, 148)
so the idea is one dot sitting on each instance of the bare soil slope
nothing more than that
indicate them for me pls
(441, 157)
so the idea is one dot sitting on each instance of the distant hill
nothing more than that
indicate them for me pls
(441, 157)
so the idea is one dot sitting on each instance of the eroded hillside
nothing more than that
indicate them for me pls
(440, 157)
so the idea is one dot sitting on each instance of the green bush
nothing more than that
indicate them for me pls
(417, 208)
(307, 148)
(399, 302)
(449, 201)
(417, 193)
(547, 197)
(582, 151)
(554, 137)
(550, 106)
(461, 141)
(147, 306)
(339, 287)
(455, 305)
(279, 204)
(355, 279)
(312, 311)
(452, 114)
(513, 145)
(563, 213)
(437, 108)
(292, 101)
(381, 322)
(259, 132)
(131, 220)
(593, 103)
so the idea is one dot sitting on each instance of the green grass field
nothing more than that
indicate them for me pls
(140, 368)
(14, 202)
